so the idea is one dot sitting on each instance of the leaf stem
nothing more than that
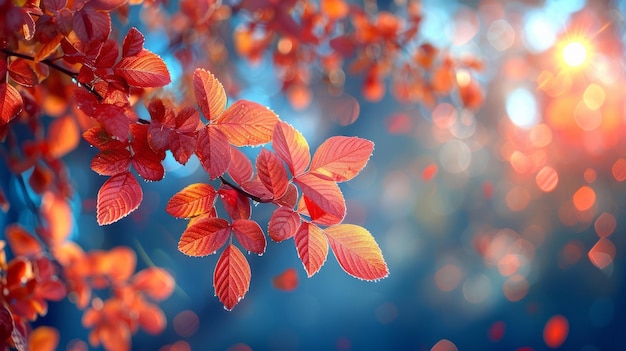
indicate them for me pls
(243, 192)
(50, 63)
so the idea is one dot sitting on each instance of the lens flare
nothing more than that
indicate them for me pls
(575, 53)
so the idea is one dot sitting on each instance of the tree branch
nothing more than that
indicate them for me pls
(243, 192)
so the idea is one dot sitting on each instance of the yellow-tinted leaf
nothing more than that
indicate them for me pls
(209, 92)
(357, 252)
(341, 158)
(247, 123)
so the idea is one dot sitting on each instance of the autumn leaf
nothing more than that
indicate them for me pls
(63, 136)
(231, 277)
(283, 224)
(22, 243)
(287, 280)
(323, 198)
(43, 338)
(204, 236)
(151, 319)
(236, 204)
(155, 282)
(246, 123)
(118, 196)
(312, 247)
(191, 201)
(213, 151)
(133, 43)
(210, 93)
(91, 25)
(272, 173)
(250, 235)
(291, 146)
(22, 73)
(144, 70)
(111, 162)
(10, 103)
(356, 251)
(341, 158)
(240, 167)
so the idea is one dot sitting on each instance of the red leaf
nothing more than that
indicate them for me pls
(312, 247)
(91, 25)
(108, 55)
(155, 282)
(204, 236)
(247, 123)
(341, 158)
(10, 103)
(324, 200)
(101, 139)
(111, 162)
(290, 198)
(152, 319)
(240, 168)
(287, 280)
(272, 173)
(209, 92)
(291, 147)
(213, 151)
(357, 252)
(6, 324)
(63, 136)
(182, 146)
(343, 45)
(231, 277)
(114, 120)
(250, 235)
(43, 338)
(22, 243)
(107, 5)
(255, 187)
(118, 196)
(236, 204)
(144, 70)
(192, 201)
(22, 73)
(54, 5)
(149, 168)
(133, 43)
(145, 160)
(283, 224)
(187, 120)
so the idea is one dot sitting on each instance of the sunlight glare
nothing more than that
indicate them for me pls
(575, 54)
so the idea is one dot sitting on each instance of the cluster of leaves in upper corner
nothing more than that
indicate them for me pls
(311, 39)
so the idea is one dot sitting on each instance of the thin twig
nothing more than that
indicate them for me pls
(243, 192)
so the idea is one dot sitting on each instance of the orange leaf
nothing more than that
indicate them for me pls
(312, 247)
(192, 201)
(122, 263)
(250, 235)
(324, 201)
(22, 73)
(144, 70)
(471, 94)
(341, 158)
(247, 123)
(41, 178)
(213, 151)
(334, 9)
(111, 162)
(152, 319)
(118, 196)
(283, 224)
(231, 277)
(287, 280)
(291, 147)
(59, 218)
(357, 252)
(210, 93)
(43, 339)
(10, 103)
(63, 136)
(272, 173)
(22, 243)
(155, 282)
(204, 236)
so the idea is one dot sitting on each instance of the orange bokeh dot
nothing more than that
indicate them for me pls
(602, 253)
(547, 179)
(619, 170)
(584, 198)
(572, 252)
(444, 345)
(496, 331)
(520, 162)
(180, 345)
(429, 172)
(448, 277)
(508, 264)
(540, 135)
(555, 331)
(590, 175)
(605, 225)
(444, 115)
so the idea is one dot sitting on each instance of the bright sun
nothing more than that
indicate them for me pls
(575, 54)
